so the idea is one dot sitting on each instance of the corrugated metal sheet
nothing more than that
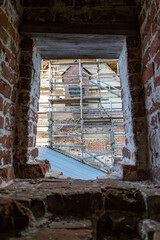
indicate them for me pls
(69, 166)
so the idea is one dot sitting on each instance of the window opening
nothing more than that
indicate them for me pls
(84, 110)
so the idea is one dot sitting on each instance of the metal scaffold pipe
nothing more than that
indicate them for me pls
(83, 103)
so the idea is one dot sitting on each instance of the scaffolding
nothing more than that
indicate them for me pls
(84, 103)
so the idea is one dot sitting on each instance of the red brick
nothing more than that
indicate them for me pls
(35, 129)
(38, 107)
(30, 127)
(25, 112)
(1, 47)
(134, 67)
(27, 44)
(154, 107)
(14, 94)
(13, 47)
(9, 124)
(134, 80)
(146, 29)
(26, 58)
(148, 90)
(146, 58)
(156, 44)
(34, 152)
(4, 35)
(1, 157)
(6, 24)
(30, 142)
(157, 59)
(1, 104)
(8, 109)
(24, 97)
(7, 174)
(37, 170)
(137, 94)
(32, 101)
(157, 82)
(33, 116)
(138, 109)
(132, 173)
(7, 156)
(139, 124)
(5, 141)
(11, 60)
(126, 153)
(150, 19)
(1, 122)
(148, 73)
(142, 17)
(25, 71)
(8, 74)
(154, 27)
(154, 122)
(25, 84)
(146, 40)
(3, 19)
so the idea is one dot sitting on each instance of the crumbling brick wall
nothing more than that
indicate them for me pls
(106, 17)
(73, 71)
(135, 152)
(19, 93)
(9, 73)
(103, 18)
(27, 106)
(149, 20)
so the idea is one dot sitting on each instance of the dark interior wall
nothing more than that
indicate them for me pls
(149, 20)
(9, 75)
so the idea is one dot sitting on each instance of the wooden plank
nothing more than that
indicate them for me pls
(47, 75)
(72, 46)
(74, 100)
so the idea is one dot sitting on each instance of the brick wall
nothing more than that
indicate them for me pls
(149, 20)
(27, 106)
(87, 16)
(18, 134)
(135, 151)
(74, 71)
(106, 17)
(9, 67)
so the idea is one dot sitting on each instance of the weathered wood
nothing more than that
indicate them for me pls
(73, 46)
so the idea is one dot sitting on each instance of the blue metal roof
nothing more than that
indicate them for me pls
(69, 166)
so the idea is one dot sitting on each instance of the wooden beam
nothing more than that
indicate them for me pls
(33, 30)
(66, 45)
